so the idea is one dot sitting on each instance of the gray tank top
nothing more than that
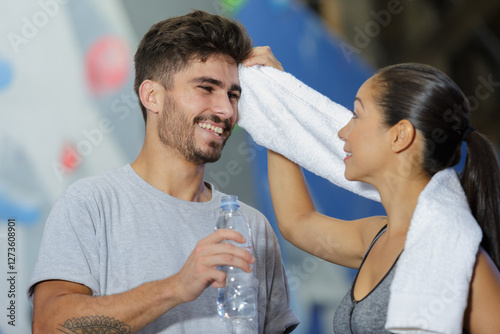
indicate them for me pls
(369, 314)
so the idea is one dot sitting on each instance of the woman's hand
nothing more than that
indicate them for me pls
(262, 55)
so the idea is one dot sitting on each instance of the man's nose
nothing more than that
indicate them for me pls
(223, 107)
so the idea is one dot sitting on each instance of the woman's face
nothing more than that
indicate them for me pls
(367, 141)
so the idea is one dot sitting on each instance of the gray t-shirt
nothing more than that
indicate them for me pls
(114, 231)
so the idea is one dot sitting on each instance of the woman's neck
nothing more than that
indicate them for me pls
(399, 196)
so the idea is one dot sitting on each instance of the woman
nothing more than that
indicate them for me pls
(409, 122)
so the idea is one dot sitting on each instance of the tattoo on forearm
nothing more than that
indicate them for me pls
(94, 324)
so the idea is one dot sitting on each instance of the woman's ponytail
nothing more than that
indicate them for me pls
(480, 179)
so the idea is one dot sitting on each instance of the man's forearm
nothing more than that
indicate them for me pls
(58, 309)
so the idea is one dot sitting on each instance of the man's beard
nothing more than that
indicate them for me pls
(177, 132)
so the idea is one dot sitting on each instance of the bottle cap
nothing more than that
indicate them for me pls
(229, 202)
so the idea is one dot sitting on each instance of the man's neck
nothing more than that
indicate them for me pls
(173, 175)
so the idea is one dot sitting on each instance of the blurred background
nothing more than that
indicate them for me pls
(67, 107)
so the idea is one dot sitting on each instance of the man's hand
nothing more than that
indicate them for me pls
(55, 301)
(200, 269)
(262, 55)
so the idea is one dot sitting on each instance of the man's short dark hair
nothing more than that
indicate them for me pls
(170, 44)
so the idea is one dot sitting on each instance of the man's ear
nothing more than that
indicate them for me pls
(403, 135)
(151, 94)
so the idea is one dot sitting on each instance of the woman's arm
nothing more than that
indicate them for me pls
(334, 240)
(483, 310)
(338, 241)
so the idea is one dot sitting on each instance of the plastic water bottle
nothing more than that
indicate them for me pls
(237, 301)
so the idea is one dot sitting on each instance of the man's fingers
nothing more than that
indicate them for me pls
(200, 269)
(217, 284)
(223, 234)
(230, 260)
(223, 249)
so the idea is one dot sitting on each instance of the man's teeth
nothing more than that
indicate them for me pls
(348, 154)
(216, 129)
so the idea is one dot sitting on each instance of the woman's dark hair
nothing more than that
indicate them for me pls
(438, 109)
(171, 44)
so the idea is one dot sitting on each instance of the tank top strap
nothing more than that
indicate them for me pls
(382, 230)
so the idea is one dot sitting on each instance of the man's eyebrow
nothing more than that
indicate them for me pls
(215, 82)
(235, 87)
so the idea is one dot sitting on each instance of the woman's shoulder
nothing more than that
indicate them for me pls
(481, 315)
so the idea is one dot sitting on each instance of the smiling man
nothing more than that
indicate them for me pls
(134, 249)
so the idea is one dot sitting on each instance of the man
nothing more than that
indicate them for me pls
(133, 249)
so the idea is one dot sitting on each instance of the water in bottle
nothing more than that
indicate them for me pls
(237, 301)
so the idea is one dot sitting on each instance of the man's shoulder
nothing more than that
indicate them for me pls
(104, 181)
(250, 210)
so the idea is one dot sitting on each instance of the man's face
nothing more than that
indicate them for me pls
(201, 109)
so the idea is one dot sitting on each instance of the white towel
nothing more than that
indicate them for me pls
(288, 117)
(430, 287)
